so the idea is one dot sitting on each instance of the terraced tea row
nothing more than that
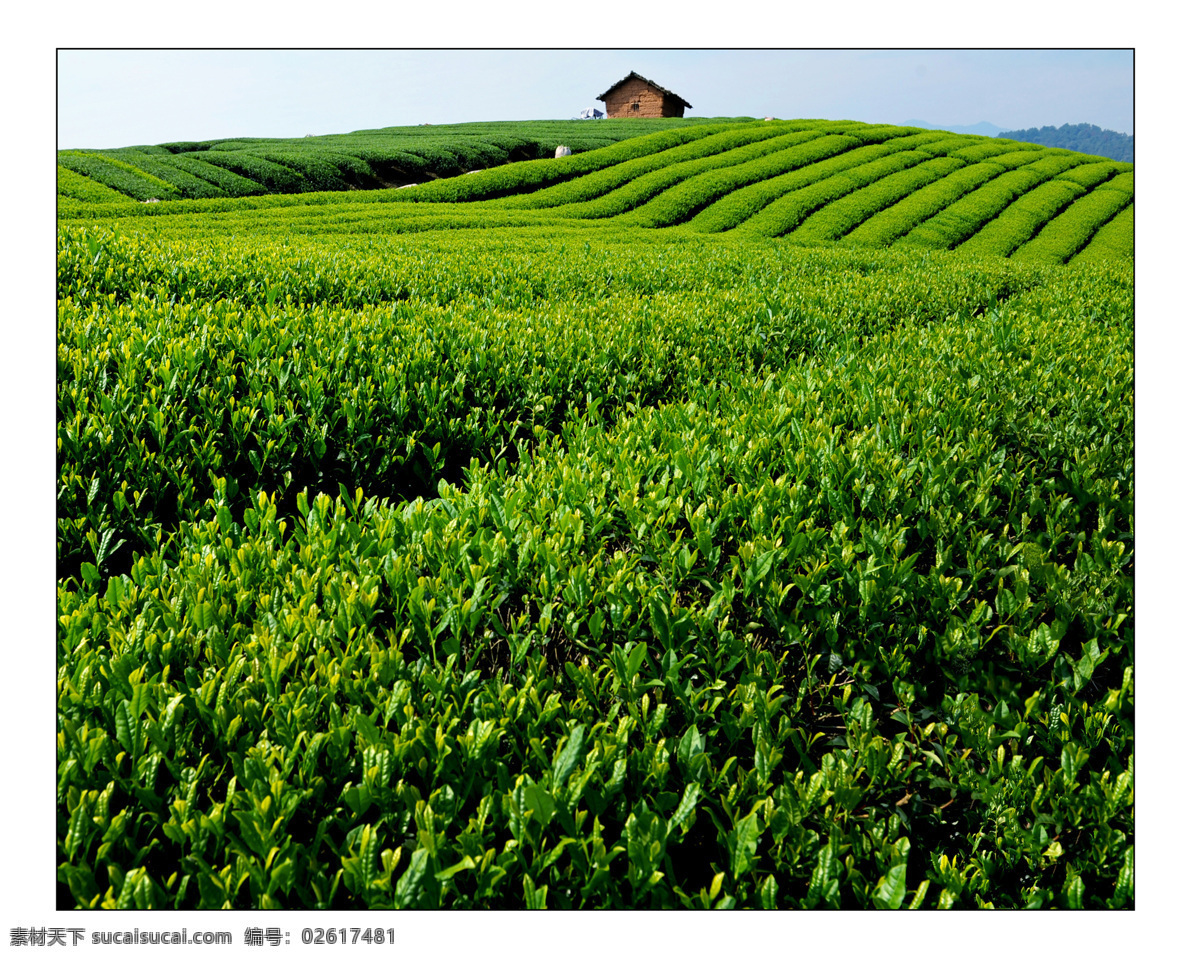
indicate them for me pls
(367, 159)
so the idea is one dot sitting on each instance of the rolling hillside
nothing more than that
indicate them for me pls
(814, 182)
(363, 160)
(737, 514)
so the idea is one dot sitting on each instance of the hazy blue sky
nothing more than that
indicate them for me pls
(114, 98)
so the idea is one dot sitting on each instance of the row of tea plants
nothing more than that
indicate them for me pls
(581, 568)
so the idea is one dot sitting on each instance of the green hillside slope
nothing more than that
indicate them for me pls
(584, 567)
(365, 159)
(627, 530)
(809, 181)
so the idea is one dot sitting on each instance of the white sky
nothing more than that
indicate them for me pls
(115, 97)
(948, 93)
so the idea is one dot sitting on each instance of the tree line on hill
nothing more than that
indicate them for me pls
(1084, 137)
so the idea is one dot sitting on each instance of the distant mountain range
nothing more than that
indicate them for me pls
(1084, 137)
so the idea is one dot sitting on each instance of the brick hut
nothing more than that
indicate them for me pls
(635, 96)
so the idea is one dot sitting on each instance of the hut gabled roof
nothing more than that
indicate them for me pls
(638, 76)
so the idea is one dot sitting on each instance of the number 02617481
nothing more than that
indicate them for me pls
(330, 935)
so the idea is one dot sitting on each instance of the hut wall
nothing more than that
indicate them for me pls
(620, 102)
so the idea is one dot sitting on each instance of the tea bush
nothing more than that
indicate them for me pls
(568, 564)
(826, 182)
(1023, 218)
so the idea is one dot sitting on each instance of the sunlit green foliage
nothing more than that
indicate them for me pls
(276, 177)
(166, 167)
(1112, 241)
(1070, 231)
(896, 220)
(841, 216)
(738, 206)
(78, 187)
(118, 175)
(965, 217)
(228, 183)
(570, 564)
(636, 193)
(985, 148)
(612, 176)
(1021, 219)
(1089, 175)
(684, 200)
(393, 156)
(794, 208)
(818, 181)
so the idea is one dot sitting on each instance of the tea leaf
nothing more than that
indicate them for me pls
(540, 802)
(568, 756)
(745, 841)
(408, 887)
(889, 892)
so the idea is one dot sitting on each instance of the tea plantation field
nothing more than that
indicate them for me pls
(736, 515)
(815, 182)
(365, 159)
